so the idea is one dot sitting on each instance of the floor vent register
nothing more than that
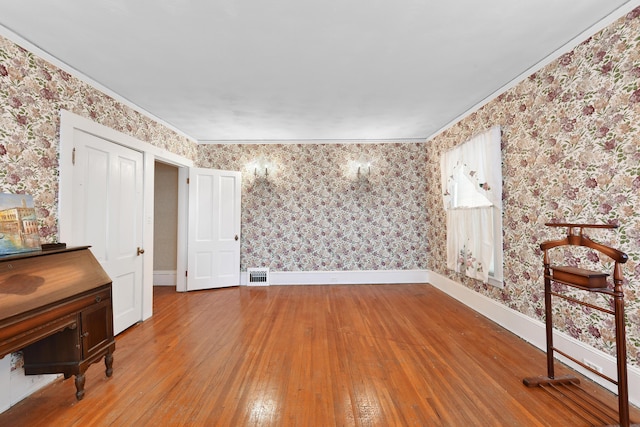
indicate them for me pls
(258, 276)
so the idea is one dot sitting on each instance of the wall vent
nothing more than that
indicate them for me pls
(258, 276)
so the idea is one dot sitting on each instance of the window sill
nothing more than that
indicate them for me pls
(498, 283)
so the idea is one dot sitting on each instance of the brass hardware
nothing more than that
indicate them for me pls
(140, 251)
(236, 237)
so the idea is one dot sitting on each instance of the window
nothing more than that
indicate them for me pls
(471, 176)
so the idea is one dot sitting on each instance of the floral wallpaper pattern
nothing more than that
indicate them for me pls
(313, 212)
(571, 152)
(32, 92)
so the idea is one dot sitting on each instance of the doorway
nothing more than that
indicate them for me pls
(165, 224)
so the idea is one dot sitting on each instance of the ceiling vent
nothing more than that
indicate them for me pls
(258, 276)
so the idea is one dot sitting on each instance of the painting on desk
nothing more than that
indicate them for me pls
(18, 224)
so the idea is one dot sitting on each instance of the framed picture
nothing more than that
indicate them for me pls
(18, 224)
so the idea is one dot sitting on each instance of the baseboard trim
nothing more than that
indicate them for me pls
(164, 278)
(533, 331)
(343, 277)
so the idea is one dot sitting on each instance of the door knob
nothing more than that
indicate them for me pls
(236, 237)
(140, 251)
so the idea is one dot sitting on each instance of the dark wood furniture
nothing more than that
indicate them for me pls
(56, 306)
(589, 281)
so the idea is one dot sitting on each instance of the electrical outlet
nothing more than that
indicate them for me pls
(592, 365)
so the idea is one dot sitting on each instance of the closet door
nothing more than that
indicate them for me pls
(108, 216)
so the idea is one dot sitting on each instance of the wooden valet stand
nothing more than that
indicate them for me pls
(589, 281)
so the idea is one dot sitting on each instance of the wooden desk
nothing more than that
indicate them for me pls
(56, 307)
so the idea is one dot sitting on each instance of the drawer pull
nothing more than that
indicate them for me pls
(98, 298)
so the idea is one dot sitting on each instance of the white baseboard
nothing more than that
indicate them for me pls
(533, 331)
(164, 278)
(343, 277)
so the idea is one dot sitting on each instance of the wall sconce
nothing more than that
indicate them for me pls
(364, 170)
(359, 170)
(260, 168)
(261, 172)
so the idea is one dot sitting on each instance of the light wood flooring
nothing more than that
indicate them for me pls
(359, 355)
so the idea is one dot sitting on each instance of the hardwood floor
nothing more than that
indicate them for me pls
(379, 355)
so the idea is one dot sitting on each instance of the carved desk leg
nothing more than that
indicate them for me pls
(80, 379)
(108, 362)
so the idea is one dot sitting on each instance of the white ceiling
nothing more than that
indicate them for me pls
(240, 70)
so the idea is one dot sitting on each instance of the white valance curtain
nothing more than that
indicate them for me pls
(471, 177)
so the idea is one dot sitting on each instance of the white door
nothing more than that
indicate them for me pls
(108, 215)
(213, 229)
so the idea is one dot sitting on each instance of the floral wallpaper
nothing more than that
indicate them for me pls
(32, 92)
(314, 212)
(571, 152)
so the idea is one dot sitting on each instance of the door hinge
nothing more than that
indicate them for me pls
(188, 181)
(73, 156)
(186, 274)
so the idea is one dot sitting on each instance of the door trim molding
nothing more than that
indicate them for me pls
(69, 122)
